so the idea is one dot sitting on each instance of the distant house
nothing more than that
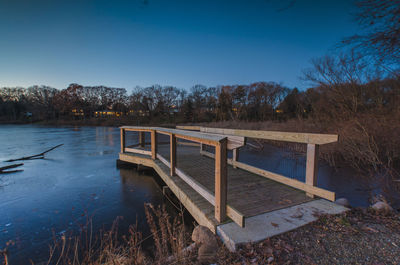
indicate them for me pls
(141, 113)
(78, 112)
(108, 113)
(173, 109)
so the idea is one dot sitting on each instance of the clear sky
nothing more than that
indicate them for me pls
(124, 43)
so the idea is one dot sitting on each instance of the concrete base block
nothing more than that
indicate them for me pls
(277, 222)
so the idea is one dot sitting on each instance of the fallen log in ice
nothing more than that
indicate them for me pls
(4, 170)
(38, 156)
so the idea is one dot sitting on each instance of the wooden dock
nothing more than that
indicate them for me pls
(214, 188)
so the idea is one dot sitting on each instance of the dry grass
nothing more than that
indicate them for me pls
(168, 234)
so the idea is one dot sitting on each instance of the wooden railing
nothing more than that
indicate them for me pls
(312, 140)
(219, 198)
(230, 139)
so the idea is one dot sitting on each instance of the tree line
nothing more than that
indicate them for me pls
(343, 88)
(257, 101)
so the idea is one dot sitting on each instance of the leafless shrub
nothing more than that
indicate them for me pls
(106, 248)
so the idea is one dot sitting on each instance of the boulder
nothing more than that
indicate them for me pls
(207, 243)
(203, 235)
(343, 201)
(382, 207)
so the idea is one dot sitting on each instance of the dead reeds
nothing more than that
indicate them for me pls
(169, 240)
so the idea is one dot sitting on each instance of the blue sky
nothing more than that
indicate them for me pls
(182, 43)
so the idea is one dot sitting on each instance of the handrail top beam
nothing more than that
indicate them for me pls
(188, 127)
(190, 135)
(138, 128)
(217, 134)
(308, 138)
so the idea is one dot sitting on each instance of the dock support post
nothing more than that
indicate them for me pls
(221, 180)
(235, 156)
(153, 144)
(312, 166)
(141, 139)
(122, 140)
(172, 153)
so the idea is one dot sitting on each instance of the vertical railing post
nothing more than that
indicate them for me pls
(235, 156)
(172, 153)
(312, 166)
(141, 139)
(153, 144)
(201, 148)
(122, 140)
(221, 180)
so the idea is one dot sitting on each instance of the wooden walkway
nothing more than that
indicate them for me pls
(239, 202)
(214, 188)
(248, 193)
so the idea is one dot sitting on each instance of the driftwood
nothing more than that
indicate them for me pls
(3, 170)
(38, 156)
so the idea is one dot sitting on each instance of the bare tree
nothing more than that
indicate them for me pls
(381, 21)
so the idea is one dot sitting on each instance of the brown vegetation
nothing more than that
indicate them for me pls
(358, 236)
(169, 237)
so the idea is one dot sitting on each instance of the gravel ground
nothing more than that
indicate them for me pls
(356, 237)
